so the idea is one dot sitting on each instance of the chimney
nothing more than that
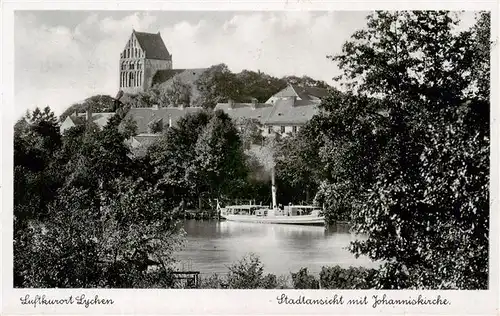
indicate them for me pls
(294, 99)
(254, 103)
(170, 120)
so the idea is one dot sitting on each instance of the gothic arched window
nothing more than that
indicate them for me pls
(135, 52)
(130, 79)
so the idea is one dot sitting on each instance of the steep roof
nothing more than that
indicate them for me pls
(143, 116)
(289, 91)
(304, 93)
(246, 110)
(153, 45)
(285, 111)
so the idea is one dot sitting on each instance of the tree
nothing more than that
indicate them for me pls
(36, 140)
(250, 132)
(107, 223)
(259, 85)
(305, 81)
(248, 273)
(178, 94)
(99, 103)
(219, 164)
(36, 179)
(128, 127)
(174, 152)
(296, 163)
(217, 84)
(348, 148)
(202, 156)
(425, 207)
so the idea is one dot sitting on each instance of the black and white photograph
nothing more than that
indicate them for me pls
(252, 150)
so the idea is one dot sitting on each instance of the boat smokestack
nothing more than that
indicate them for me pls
(273, 189)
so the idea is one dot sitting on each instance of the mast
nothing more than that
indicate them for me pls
(273, 189)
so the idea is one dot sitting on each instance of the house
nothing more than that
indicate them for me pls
(168, 116)
(241, 111)
(283, 113)
(151, 122)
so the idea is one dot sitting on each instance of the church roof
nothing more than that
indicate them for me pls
(153, 45)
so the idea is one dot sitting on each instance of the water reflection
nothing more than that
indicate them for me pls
(212, 246)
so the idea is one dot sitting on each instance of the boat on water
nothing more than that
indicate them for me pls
(291, 214)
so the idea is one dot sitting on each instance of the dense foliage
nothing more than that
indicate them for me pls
(219, 84)
(247, 273)
(202, 157)
(98, 103)
(303, 280)
(402, 153)
(351, 278)
(404, 150)
(85, 214)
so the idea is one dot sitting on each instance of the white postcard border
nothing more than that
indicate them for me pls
(231, 302)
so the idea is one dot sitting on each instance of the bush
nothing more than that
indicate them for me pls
(214, 281)
(352, 278)
(303, 280)
(246, 273)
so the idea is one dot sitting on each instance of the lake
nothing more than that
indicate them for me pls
(213, 245)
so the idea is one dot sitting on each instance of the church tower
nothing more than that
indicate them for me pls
(143, 55)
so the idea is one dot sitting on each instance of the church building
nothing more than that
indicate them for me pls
(143, 55)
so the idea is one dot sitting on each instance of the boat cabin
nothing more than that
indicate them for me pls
(299, 210)
(243, 210)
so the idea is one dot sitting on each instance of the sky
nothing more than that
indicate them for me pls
(63, 57)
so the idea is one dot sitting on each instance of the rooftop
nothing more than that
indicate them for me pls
(288, 111)
(292, 105)
(258, 111)
(302, 93)
(143, 116)
(153, 45)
